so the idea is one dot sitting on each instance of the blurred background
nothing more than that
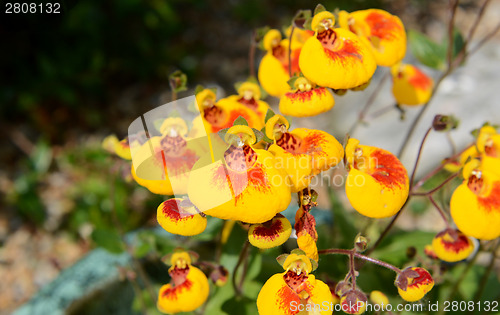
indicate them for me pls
(70, 79)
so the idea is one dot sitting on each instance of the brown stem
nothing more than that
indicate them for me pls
(243, 255)
(418, 156)
(290, 52)
(485, 39)
(438, 187)
(333, 251)
(440, 211)
(251, 56)
(386, 230)
(451, 26)
(369, 103)
(352, 269)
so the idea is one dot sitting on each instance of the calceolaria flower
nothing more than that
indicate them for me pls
(307, 236)
(274, 67)
(378, 297)
(219, 115)
(242, 183)
(353, 302)
(452, 245)
(306, 99)
(475, 204)
(377, 183)
(181, 217)
(295, 291)
(335, 57)
(188, 288)
(271, 233)
(164, 162)
(413, 283)
(249, 96)
(410, 86)
(302, 153)
(383, 32)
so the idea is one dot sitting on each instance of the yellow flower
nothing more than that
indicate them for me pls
(274, 67)
(377, 297)
(306, 99)
(383, 32)
(488, 142)
(413, 283)
(353, 302)
(452, 245)
(377, 183)
(271, 233)
(335, 57)
(222, 114)
(294, 291)
(178, 216)
(188, 289)
(302, 153)
(305, 227)
(162, 164)
(249, 96)
(475, 204)
(299, 36)
(410, 86)
(242, 184)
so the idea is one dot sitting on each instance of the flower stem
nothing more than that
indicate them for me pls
(339, 251)
(441, 212)
(438, 187)
(243, 256)
(484, 278)
(290, 52)
(418, 156)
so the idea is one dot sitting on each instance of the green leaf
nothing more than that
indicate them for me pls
(198, 89)
(458, 42)
(240, 121)
(222, 133)
(291, 82)
(258, 134)
(319, 8)
(300, 19)
(178, 81)
(108, 239)
(269, 114)
(427, 51)
(259, 36)
(265, 138)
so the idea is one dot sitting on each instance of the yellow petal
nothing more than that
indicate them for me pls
(270, 234)
(180, 220)
(410, 85)
(307, 103)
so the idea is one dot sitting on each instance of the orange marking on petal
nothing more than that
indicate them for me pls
(269, 233)
(492, 201)
(388, 169)
(171, 210)
(291, 143)
(420, 80)
(286, 296)
(382, 26)
(461, 243)
(306, 95)
(251, 103)
(337, 49)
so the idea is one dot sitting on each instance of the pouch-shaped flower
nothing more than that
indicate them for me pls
(452, 245)
(410, 86)
(414, 283)
(475, 204)
(302, 153)
(377, 184)
(306, 99)
(249, 96)
(271, 233)
(383, 32)
(335, 57)
(241, 183)
(180, 217)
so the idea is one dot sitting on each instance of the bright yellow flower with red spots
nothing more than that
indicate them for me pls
(179, 216)
(188, 288)
(241, 183)
(294, 291)
(302, 153)
(383, 32)
(270, 234)
(410, 86)
(306, 99)
(377, 183)
(475, 204)
(162, 163)
(335, 57)
(249, 96)
(452, 245)
(274, 67)
(222, 114)
(414, 283)
(307, 236)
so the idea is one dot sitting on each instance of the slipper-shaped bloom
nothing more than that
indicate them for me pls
(475, 204)
(413, 283)
(188, 288)
(302, 153)
(488, 142)
(274, 66)
(383, 32)
(295, 291)
(377, 184)
(452, 245)
(335, 57)
(353, 302)
(162, 163)
(241, 183)
(306, 99)
(307, 236)
(249, 96)
(222, 114)
(180, 217)
(410, 86)
(270, 234)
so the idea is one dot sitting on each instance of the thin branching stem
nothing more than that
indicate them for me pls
(412, 178)
(440, 211)
(241, 259)
(348, 252)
